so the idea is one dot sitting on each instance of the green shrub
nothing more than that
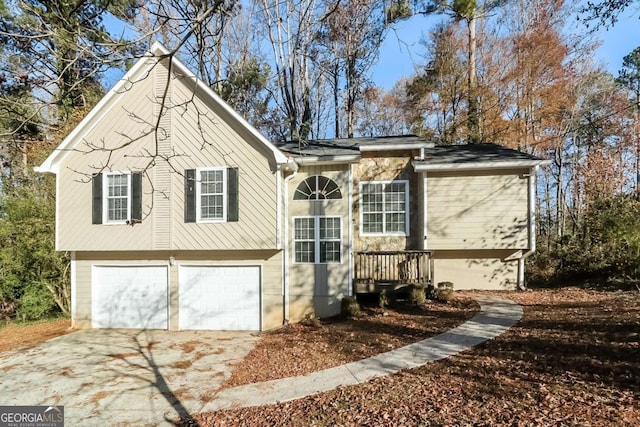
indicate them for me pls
(28, 259)
(349, 307)
(36, 303)
(417, 295)
(444, 293)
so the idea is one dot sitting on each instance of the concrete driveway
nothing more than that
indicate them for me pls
(123, 377)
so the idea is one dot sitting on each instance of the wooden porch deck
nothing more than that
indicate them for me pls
(378, 270)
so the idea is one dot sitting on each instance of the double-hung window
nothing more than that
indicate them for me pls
(384, 208)
(211, 197)
(117, 198)
(211, 194)
(317, 239)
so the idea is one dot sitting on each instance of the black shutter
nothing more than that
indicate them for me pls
(232, 194)
(96, 217)
(136, 197)
(190, 195)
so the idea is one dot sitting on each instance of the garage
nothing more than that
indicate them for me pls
(129, 297)
(219, 297)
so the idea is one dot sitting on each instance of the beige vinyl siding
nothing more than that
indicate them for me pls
(269, 261)
(128, 128)
(192, 135)
(205, 138)
(473, 269)
(477, 210)
(318, 288)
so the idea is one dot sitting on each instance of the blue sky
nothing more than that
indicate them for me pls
(401, 51)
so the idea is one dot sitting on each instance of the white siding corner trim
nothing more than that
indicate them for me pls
(74, 289)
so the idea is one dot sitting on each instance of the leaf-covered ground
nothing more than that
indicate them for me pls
(15, 335)
(574, 359)
(298, 349)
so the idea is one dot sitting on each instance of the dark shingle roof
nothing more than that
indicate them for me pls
(435, 156)
(343, 146)
(472, 153)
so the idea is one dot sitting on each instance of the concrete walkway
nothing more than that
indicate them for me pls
(495, 317)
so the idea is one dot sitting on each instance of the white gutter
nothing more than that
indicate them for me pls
(505, 164)
(285, 261)
(532, 227)
(328, 160)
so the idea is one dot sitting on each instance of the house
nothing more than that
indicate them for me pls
(179, 215)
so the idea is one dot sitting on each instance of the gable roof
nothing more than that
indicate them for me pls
(474, 156)
(139, 72)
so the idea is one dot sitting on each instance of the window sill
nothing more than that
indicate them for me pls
(318, 263)
(115, 223)
(384, 234)
(210, 221)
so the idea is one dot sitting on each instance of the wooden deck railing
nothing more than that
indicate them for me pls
(394, 267)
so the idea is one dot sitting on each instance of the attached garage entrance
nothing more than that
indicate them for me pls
(129, 297)
(219, 298)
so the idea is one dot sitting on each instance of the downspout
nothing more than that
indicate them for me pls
(350, 233)
(293, 167)
(533, 172)
(279, 208)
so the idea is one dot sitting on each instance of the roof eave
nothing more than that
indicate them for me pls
(505, 164)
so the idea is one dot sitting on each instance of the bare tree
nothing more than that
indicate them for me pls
(354, 30)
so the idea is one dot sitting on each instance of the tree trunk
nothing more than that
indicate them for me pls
(473, 119)
(637, 141)
(559, 198)
(351, 94)
(336, 98)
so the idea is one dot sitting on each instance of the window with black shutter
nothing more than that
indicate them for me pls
(117, 198)
(211, 195)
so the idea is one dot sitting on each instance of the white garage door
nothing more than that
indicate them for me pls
(219, 298)
(129, 297)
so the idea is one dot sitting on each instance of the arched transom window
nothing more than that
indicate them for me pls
(317, 187)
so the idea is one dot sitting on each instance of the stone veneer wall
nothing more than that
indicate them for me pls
(387, 166)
